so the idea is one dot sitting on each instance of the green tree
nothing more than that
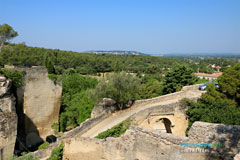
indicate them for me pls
(218, 105)
(177, 77)
(49, 65)
(121, 87)
(214, 107)
(6, 34)
(150, 89)
(76, 104)
(229, 82)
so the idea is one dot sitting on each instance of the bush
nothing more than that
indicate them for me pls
(121, 87)
(24, 157)
(57, 153)
(115, 131)
(15, 76)
(55, 127)
(45, 145)
(53, 77)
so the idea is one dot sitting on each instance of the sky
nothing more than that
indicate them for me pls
(149, 26)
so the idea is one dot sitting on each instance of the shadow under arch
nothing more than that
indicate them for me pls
(167, 124)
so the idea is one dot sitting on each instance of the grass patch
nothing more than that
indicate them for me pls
(115, 131)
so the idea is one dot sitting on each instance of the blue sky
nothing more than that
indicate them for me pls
(151, 26)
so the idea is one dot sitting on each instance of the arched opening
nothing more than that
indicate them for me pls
(167, 124)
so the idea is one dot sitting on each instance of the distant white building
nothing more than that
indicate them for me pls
(210, 77)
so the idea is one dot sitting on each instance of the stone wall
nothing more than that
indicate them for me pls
(39, 100)
(187, 90)
(156, 117)
(8, 119)
(83, 127)
(140, 143)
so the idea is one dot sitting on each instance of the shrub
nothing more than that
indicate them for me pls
(57, 153)
(55, 127)
(15, 76)
(115, 131)
(45, 145)
(24, 157)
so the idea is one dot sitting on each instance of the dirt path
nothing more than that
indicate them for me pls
(120, 116)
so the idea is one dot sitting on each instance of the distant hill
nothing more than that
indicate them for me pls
(117, 52)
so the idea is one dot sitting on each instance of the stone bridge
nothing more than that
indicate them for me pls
(164, 108)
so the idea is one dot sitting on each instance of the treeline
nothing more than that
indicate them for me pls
(203, 63)
(83, 63)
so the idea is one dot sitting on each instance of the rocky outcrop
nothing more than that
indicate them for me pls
(8, 119)
(39, 100)
(106, 106)
(140, 143)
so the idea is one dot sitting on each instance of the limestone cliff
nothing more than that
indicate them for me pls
(39, 101)
(8, 119)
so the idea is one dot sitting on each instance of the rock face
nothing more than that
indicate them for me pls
(107, 105)
(8, 119)
(39, 101)
(139, 143)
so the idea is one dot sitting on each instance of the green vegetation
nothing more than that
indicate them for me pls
(201, 81)
(177, 77)
(55, 127)
(230, 83)
(115, 131)
(57, 153)
(121, 87)
(203, 63)
(151, 86)
(45, 145)
(6, 33)
(84, 63)
(218, 105)
(15, 76)
(24, 156)
(55, 78)
(76, 104)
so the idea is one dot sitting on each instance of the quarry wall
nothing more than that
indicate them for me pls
(39, 100)
(8, 119)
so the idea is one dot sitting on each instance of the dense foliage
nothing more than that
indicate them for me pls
(230, 83)
(177, 77)
(121, 87)
(6, 34)
(83, 63)
(76, 104)
(15, 76)
(218, 105)
(151, 86)
(57, 153)
(115, 131)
